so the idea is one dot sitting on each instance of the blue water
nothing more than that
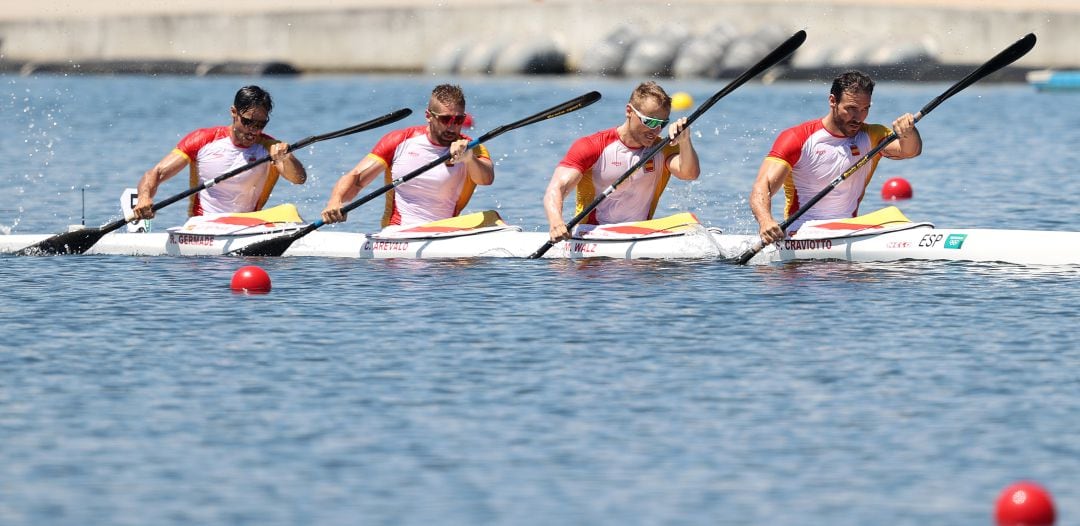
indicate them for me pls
(142, 391)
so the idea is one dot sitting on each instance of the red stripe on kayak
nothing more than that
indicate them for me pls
(434, 229)
(633, 230)
(845, 226)
(241, 221)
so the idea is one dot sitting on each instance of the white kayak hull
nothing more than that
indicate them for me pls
(922, 242)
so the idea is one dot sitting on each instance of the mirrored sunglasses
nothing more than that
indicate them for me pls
(447, 119)
(650, 122)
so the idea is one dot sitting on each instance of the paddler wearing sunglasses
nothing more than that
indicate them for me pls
(439, 193)
(210, 152)
(595, 161)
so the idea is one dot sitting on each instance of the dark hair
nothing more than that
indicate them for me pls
(252, 96)
(650, 90)
(852, 82)
(449, 95)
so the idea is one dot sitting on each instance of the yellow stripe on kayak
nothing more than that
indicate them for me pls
(466, 222)
(672, 223)
(886, 216)
(285, 213)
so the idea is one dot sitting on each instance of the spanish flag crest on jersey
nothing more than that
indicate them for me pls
(650, 165)
(855, 150)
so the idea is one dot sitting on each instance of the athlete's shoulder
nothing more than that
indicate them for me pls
(404, 134)
(205, 135)
(194, 141)
(598, 141)
(877, 132)
(388, 144)
(789, 144)
(266, 140)
(584, 152)
(803, 130)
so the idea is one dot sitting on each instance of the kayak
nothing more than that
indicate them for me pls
(884, 235)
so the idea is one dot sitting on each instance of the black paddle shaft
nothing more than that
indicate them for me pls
(1008, 56)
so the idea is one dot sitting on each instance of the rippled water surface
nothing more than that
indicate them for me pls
(142, 391)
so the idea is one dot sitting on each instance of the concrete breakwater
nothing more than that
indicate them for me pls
(690, 38)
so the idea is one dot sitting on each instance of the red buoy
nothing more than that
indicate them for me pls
(468, 121)
(1024, 503)
(250, 279)
(896, 189)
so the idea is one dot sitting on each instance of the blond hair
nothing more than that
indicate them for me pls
(650, 90)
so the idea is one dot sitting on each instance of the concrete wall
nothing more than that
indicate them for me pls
(402, 38)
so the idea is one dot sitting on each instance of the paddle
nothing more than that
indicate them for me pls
(1006, 57)
(778, 54)
(277, 246)
(80, 241)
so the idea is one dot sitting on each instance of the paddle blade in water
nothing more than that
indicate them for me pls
(272, 247)
(75, 242)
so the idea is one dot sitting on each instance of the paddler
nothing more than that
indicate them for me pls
(439, 193)
(211, 152)
(805, 158)
(595, 161)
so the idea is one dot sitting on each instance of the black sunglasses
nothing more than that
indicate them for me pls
(254, 124)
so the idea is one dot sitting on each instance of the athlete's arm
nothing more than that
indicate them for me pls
(287, 164)
(908, 142)
(683, 165)
(349, 185)
(169, 166)
(770, 178)
(562, 181)
(481, 170)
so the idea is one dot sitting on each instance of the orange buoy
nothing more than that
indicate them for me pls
(896, 189)
(250, 280)
(1024, 503)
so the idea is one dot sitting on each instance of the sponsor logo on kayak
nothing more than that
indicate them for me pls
(804, 244)
(898, 244)
(583, 248)
(191, 239)
(393, 246)
(955, 241)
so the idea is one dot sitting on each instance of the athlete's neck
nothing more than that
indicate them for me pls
(624, 135)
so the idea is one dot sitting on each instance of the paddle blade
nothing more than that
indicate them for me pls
(569, 106)
(1008, 56)
(273, 247)
(775, 57)
(75, 242)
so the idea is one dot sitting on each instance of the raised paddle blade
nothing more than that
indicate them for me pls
(78, 242)
(1008, 56)
(278, 246)
(780, 53)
